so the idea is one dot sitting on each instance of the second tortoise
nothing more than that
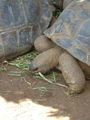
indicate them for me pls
(69, 46)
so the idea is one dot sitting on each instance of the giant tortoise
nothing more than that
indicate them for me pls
(21, 21)
(70, 47)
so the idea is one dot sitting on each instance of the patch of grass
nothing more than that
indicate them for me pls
(24, 61)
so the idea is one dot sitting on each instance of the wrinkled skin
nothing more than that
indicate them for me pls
(70, 68)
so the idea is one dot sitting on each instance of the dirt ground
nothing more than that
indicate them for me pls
(19, 100)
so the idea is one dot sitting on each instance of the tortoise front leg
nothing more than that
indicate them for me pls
(72, 73)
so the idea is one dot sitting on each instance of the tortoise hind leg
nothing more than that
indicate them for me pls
(42, 43)
(72, 73)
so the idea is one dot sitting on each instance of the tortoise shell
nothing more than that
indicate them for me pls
(21, 21)
(71, 30)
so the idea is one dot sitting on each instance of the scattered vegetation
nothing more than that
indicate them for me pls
(24, 61)
(53, 81)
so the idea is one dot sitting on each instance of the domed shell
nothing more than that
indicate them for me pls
(71, 31)
(21, 21)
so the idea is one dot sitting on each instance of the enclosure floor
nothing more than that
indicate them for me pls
(20, 101)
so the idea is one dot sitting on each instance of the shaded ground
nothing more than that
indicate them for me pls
(19, 100)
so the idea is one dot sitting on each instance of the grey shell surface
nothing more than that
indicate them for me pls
(71, 31)
(21, 21)
(66, 3)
